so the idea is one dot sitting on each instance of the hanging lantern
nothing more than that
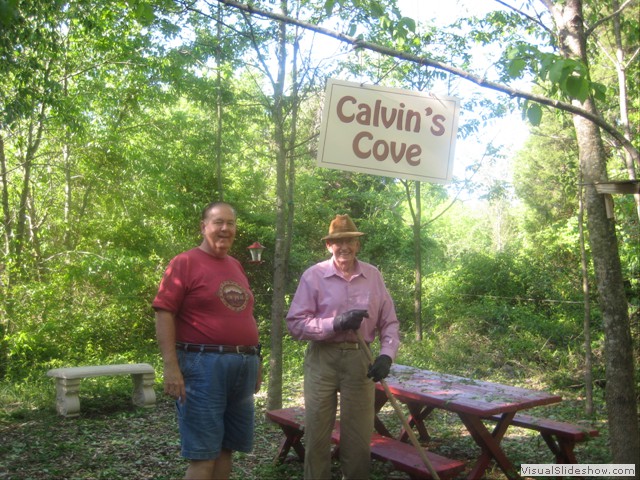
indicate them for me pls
(256, 252)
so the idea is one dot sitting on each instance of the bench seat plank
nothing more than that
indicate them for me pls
(100, 370)
(404, 457)
(554, 427)
(560, 437)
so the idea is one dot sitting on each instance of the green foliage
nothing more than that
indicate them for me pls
(500, 312)
(94, 310)
(566, 77)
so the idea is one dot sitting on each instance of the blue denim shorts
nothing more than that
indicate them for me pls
(219, 409)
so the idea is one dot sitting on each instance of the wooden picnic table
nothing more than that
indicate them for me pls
(472, 400)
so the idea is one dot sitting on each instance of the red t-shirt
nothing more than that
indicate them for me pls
(211, 299)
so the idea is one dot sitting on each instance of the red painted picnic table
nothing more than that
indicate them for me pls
(472, 400)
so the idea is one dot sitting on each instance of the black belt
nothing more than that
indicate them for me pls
(194, 347)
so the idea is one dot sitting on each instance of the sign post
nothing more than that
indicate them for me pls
(388, 132)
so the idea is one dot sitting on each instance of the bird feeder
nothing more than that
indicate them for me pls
(256, 252)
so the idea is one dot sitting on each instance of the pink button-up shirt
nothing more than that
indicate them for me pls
(324, 293)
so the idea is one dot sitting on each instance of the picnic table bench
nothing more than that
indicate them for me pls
(68, 384)
(560, 437)
(402, 456)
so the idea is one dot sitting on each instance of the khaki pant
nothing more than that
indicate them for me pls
(333, 371)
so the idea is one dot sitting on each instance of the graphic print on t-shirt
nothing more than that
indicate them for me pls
(233, 295)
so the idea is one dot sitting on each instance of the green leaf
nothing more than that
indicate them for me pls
(577, 87)
(328, 6)
(599, 91)
(546, 63)
(145, 14)
(8, 12)
(516, 67)
(557, 71)
(409, 24)
(377, 9)
(534, 114)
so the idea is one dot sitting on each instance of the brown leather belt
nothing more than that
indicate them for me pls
(342, 345)
(195, 347)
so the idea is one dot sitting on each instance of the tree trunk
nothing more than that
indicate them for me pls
(6, 212)
(584, 264)
(274, 399)
(417, 228)
(218, 146)
(417, 256)
(620, 387)
(291, 150)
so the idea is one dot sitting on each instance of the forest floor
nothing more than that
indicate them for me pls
(111, 439)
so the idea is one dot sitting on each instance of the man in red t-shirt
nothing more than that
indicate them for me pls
(208, 339)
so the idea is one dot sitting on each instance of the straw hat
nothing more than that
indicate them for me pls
(342, 227)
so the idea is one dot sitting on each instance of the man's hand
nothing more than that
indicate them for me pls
(380, 368)
(174, 383)
(349, 320)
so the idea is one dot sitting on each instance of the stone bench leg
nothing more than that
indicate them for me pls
(143, 393)
(67, 399)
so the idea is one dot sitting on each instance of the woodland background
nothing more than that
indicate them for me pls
(119, 121)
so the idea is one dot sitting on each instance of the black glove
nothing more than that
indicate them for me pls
(380, 368)
(349, 320)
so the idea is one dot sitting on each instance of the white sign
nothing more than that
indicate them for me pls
(388, 131)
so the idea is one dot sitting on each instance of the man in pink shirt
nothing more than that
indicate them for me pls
(335, 299)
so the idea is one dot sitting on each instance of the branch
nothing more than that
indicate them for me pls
(590, 30)
(632, 59)
(513, 92)
(523, 14)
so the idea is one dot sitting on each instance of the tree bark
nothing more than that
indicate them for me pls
(218, 144)
(6, 212)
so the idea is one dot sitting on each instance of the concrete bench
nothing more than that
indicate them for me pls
(402, 456)
(68, 384)
(560, 437)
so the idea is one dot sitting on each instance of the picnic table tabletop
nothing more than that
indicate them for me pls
(461, 394)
